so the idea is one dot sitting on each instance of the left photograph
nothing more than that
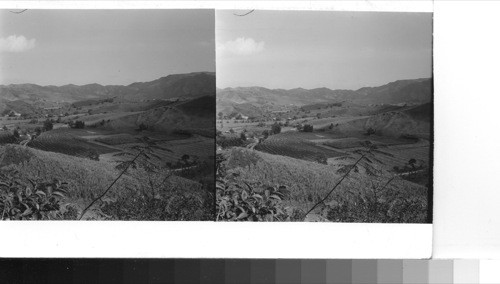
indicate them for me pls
(107, 115)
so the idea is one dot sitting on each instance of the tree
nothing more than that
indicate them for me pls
(412, 162)
(275, 128)
(79, 124)
(142, 127)
(308, 128)
(265, 133)
(370, 131)
(48, 125)
(93, 155)
(233, 115)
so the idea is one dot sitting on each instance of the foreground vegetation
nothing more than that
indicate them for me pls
(137, 192)
(309, 191)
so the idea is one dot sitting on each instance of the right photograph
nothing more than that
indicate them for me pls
(324, 116)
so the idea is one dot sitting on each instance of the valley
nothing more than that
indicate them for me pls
(153, 141)
(376, 141)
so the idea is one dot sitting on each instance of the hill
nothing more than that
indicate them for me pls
(412, 121)
(174, 86)
(308, 182)
(246, 99)
(189, 85)
(194, 115)
(86, 179)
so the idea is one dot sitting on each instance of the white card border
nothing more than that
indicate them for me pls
(209, 239)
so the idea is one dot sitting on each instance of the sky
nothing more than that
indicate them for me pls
(109, 47)
(311, 49)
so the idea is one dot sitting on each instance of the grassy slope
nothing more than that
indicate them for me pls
(63, 141)
(85, 177)
(308, 181)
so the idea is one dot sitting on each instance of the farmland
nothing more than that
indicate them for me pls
(67, 142)
(294, 147)
(375, 156)
(154, 151)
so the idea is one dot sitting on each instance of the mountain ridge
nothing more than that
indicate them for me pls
(319, 88)
(72, 92)
(408, 91)
(187, 85)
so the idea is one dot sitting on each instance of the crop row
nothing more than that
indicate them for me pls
(68, 144)
(202, 150)
(296, 148)
(401, 158)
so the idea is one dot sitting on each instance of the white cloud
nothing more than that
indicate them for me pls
(241, 46)
(16, 43)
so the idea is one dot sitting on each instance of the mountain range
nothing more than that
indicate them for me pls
(416, 91)
(190, 85)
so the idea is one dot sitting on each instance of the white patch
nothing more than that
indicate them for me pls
(14, 43)
(241, 46)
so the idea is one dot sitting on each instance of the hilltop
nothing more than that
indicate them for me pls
(253, 101)
(31, 98)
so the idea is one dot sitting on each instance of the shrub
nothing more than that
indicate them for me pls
(143, 127)
(79, 124)
(93, 155)
(265, 133)
(48, 125)
(370, 131)
(162, 202)
(377, 206)
(308, 128)
(275, 128)
(235, 203)
(33, 201)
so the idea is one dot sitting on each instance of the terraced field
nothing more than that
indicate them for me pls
(125, 138)
(288, 145)
(355, 142)
(200, 147)
(312, 136)
(62, 141)
(327, 121)
(196, 146)
(401, 155)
